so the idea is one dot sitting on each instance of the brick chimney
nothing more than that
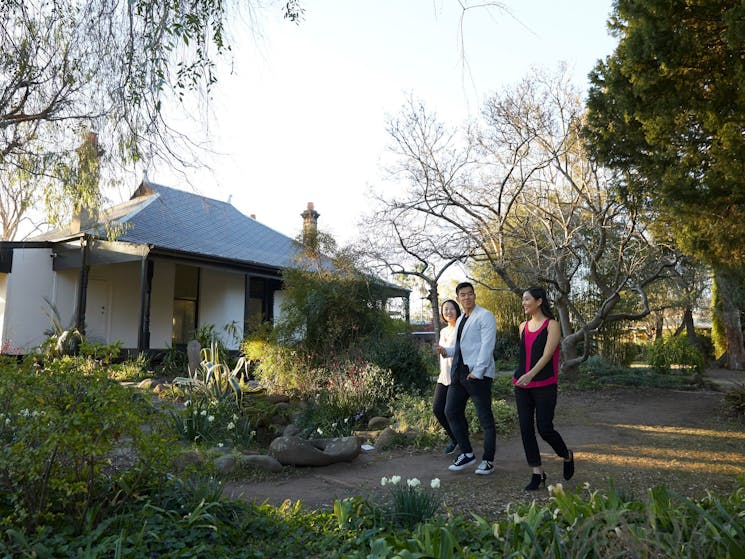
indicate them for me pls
(310, 226)
(89, 161)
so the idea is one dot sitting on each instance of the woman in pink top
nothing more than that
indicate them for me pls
(535, 380)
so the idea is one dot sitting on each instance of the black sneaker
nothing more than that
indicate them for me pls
(485, 468)
(450, 448)
(461, 462)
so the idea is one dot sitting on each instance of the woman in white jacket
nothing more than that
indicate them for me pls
(449, 312)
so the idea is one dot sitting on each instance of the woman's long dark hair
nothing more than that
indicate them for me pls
(540, 293)
(457, 308)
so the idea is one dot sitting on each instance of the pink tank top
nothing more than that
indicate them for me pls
(529, 338)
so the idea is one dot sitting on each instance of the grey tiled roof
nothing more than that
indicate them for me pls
(184, 221)
(178, 220)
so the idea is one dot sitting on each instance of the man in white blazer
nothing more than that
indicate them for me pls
(471, 377)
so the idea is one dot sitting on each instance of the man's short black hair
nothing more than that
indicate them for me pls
(463, 285)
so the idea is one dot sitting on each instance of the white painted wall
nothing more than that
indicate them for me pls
(121, 283)
(25, 316)
(221, 301)
(65, 295)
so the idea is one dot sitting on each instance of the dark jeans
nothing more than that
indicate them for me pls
(536, 406)
(438, 407)
(461, 389)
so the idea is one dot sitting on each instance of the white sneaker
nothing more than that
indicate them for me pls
(485, 468)
(461, 462)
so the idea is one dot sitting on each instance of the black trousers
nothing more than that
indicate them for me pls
(438, 407)
(461, 389)
(535, 406)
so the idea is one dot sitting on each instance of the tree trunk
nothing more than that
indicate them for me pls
(434, 303)
(659, 325)
(727, 286)
(568, 345)
(690, 328)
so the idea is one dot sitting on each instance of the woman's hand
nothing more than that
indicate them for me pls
(524, 380)
(441, 350)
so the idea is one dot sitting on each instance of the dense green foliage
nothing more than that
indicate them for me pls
(414, 413)
(669, 351)
(588, 523)
(75, 482)
(332, 313)
(734, 401)
(190, 520)
(62, 458)
(667, 109)
(598, 373)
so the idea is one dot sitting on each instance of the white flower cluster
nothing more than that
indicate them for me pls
(413, 482)
(393, 480)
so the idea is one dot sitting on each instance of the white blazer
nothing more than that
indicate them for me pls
(477, 342)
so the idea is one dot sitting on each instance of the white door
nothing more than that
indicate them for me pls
(97, 311)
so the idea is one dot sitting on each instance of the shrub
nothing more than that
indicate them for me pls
(171, 363)
(502, 387)
(414, 412)
(353, 392)
(62, 456)
(286, 370)
(734, 401)
(131, 370)
(596, 371)
(105, 353)
(674, 350)
(505, 351)
(406, 359)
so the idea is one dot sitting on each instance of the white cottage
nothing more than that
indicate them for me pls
(180, 262)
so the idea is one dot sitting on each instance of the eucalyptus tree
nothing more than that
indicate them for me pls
(69, 66)
(667, 109)
(518, 189)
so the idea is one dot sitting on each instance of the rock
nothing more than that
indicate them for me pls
(378, 423)
(314, 452)
(386, 439)
(290, 430)
(193, 354)
(146, 384)
(160, 388)
(366, 435)
(188, 458)
(225, 464)
(260, 461)
(280, 420)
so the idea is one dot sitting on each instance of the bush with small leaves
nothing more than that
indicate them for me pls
(664, 353)
(734, 401)
(72, 444)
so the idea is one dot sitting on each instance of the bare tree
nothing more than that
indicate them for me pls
(519, 191)
(409, 246)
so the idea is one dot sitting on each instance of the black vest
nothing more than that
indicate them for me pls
(536, 352)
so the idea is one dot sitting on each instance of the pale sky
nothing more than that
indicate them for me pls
(302, 117)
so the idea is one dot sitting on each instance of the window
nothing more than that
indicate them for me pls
(255, 311)
(185, 299)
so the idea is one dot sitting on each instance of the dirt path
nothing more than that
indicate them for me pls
(639, 438)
